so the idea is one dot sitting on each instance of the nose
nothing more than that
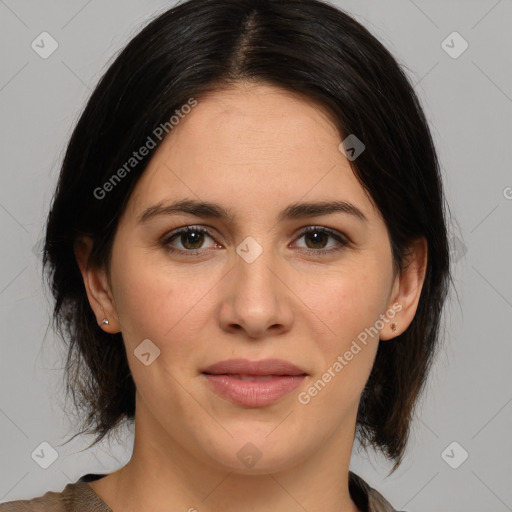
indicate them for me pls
(255, 298)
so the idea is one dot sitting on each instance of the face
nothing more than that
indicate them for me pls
(255, 278)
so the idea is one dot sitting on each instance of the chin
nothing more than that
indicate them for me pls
(248, 453)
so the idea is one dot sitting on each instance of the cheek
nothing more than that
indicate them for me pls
(355, 299)
(158, 302)
(165, 307)
(350, 307)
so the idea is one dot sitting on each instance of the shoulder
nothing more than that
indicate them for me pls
(365, 497)
(75, 497)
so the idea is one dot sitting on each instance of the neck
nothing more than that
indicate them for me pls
(162, 474)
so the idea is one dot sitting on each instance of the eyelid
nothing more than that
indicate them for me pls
(165, 240)
(324, 229)
(342, 239)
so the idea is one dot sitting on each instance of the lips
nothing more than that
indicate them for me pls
(253, 383)
(246, 367)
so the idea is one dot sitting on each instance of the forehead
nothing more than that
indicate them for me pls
(255, 121)
(251, 146)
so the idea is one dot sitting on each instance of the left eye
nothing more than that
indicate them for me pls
(192, 239)
(318, 237)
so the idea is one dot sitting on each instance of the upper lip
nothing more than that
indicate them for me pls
(247, 367)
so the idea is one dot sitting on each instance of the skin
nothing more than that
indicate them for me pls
(253, 149)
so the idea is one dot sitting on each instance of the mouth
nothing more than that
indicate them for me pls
(253, 383)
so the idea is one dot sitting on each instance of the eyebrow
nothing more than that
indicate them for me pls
(207, 209)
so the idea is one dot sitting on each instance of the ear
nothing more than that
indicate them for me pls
(97, 287)
(407, 288)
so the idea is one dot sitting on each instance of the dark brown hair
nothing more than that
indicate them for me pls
(305, 46)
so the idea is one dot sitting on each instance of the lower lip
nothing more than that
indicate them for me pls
(254, 393)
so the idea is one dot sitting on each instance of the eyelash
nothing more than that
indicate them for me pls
(343, 241)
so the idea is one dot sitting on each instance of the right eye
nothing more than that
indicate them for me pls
(191, 239)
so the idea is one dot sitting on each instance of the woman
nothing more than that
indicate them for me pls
(248, 252)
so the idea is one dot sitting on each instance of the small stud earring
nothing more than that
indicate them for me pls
(393, 326)
(105, 321)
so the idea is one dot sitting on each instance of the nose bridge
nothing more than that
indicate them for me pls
(255, 282)
(255, 299)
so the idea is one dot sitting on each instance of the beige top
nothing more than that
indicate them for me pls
(79, 497)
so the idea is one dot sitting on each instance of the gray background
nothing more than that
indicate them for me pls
(468, 101)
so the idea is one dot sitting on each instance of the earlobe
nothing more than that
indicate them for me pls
(407, 289)
(97, 287)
